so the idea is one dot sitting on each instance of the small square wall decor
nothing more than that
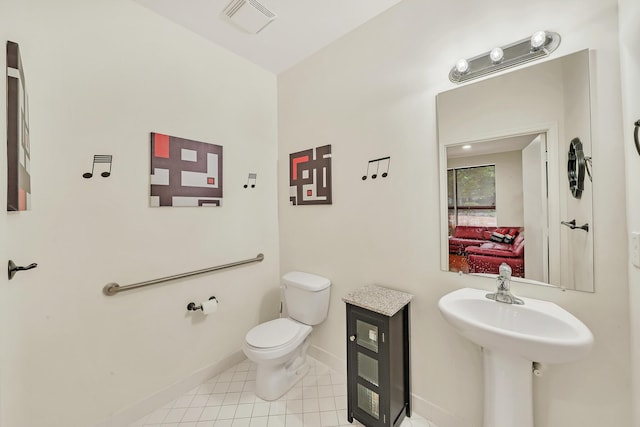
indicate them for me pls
(18, 147)
(310, 176)
(185, 172)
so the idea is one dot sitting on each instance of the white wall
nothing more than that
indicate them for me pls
(509, 204)
(101, 75)
(491, 107)
(629, 15)
(372, 94)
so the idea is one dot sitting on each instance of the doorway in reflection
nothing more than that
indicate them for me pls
(489, 211)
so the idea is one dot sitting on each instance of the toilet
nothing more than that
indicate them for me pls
(279, 347)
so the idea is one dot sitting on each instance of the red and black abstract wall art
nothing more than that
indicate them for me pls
(310, 176)
(185, 172)
(18, 148)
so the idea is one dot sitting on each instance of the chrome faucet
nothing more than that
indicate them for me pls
(503, 294)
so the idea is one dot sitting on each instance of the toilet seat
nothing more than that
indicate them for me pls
(274, 333)
(275, 339)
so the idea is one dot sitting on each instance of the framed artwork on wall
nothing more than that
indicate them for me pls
(185, 172)
(310, 176)
(18, 147)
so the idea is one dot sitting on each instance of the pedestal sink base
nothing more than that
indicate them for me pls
(508, 390)
(513, 337)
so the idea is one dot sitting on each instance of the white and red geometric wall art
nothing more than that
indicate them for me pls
(18, 146)
(310, 176)
(185, 172)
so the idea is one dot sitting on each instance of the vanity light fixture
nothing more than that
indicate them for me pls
(496, 55)
(539, 45)
(462, 66)
(538, 39)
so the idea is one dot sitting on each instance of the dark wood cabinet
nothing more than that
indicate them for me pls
(378, 366)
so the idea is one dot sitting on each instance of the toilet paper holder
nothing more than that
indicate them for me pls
(193, 307)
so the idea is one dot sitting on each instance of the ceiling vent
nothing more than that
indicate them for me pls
(248, 15)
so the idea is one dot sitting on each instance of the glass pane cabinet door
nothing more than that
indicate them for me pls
(369, 401)
(367, 380)
(377, 367)
(367, 335)
(368, 368)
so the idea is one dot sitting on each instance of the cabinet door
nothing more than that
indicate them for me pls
(367, 371)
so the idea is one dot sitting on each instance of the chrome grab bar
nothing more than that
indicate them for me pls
(113, 288)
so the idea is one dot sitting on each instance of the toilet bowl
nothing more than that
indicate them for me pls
(279, 347)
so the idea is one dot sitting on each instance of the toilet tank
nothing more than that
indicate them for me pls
(306, 297)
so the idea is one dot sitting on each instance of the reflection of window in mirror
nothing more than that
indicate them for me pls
(472, 196)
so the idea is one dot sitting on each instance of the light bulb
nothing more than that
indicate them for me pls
(538, 39)
(462, 66)
(496, 55)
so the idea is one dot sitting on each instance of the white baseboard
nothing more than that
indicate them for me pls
(334, 362)
(434, 413)
(157, 400)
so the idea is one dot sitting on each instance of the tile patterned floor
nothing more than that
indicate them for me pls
(228, 400)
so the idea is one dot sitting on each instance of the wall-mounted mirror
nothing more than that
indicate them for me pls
(504, 150)
(576, 166)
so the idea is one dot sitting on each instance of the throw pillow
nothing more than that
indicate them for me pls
(498, 235)
(510, 235)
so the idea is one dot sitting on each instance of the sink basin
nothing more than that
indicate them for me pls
(512, 338)
(539, 331)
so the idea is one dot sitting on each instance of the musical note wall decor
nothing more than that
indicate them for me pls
(100, 159)
(253, 178)
(377, 162)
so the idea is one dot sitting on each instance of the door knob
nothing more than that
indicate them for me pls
(352, 338)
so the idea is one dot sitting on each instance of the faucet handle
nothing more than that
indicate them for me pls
(505, 271)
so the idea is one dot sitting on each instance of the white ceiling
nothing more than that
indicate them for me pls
(302, 27)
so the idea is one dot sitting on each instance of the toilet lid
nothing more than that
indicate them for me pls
(273, 333)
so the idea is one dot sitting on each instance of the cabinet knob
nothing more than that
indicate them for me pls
(352, 338)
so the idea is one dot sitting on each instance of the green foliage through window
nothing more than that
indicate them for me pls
(472, 196)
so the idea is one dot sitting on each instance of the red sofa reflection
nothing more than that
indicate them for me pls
(464, 235)
(487, 257)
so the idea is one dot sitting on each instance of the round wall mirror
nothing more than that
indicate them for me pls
(575, 168)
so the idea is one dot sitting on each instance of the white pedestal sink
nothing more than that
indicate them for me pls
(513, 337)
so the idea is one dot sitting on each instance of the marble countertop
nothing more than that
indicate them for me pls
(379, 299)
